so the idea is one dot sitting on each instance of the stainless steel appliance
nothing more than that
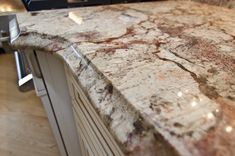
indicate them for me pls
(9, 31)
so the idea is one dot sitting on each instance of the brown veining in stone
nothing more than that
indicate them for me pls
(86, 36)
(161, 75)
(129, 31)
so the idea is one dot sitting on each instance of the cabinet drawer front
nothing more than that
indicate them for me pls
(95, 137)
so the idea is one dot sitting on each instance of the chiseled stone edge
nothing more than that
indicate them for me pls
(112, 107)
(55, 48)
(117, 114)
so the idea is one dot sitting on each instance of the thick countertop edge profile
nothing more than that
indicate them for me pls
(146, 140)
(74, 60)
(144, 118)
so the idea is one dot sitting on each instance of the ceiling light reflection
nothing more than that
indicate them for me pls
(210, 115)
(180, 94)
(194, 103)
(228, 129)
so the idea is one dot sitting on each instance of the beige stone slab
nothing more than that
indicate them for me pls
(159, 74)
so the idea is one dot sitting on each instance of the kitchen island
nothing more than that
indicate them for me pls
(159, 77)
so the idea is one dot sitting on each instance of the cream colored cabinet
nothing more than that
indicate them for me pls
(51, 86)
(77, 127)
(95, 138)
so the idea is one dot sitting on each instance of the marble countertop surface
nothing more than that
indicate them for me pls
(161, 75)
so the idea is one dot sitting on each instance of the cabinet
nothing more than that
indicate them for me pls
(95, 138)
(78, 129)
(51, 86)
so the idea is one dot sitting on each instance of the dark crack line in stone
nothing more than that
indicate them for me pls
(177, 55)
(129, 31)
(207, 90)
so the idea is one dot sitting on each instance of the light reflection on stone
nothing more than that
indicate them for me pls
(194, 103)
(180, 94)
(228, 129)
(210, 116)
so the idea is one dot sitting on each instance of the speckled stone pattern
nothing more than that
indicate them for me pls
(161, 75)
(226, 3)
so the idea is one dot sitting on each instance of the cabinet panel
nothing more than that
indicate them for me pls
(52, 69)
(95, 137)
(40, 89)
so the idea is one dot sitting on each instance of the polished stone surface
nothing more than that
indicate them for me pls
(161, 75)
(225, 3)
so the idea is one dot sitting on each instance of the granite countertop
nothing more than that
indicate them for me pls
(161, 75)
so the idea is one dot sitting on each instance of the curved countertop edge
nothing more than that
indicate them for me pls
(138, 128)
(143, 138)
